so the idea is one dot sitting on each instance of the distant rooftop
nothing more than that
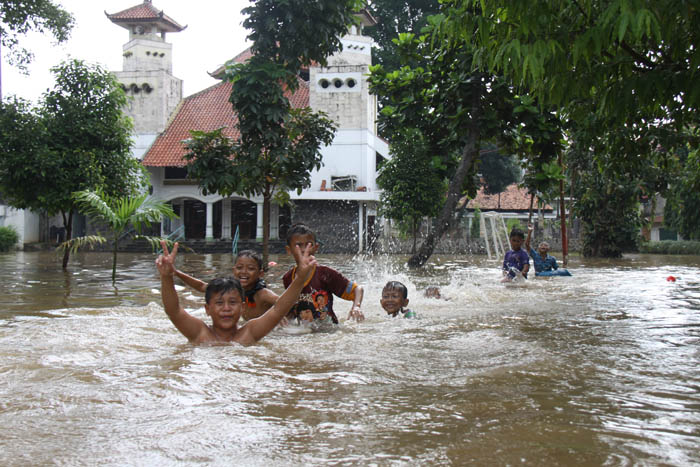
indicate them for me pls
(145, 13)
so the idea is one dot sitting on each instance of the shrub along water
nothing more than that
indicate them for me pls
(671, 247)
(8, 238)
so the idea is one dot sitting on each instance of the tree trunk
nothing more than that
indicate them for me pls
(469, 154)
(415, 235)
(114, 257)
(68, 224)
(266, 227)
(532, 201)
(562, 208)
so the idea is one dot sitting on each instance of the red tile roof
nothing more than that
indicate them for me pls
(240, 58)
(205, 111)
(144, 12)
(513, 198)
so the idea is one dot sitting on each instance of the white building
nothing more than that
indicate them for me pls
(342, 200)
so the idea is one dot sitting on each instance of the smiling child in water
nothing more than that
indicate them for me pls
(248, 269)
(395, 300)
(225, 303)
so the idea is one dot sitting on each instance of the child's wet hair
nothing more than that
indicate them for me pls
(299, 229)
(251, 254)
(223, 285)
(517, 233)
(396, 285)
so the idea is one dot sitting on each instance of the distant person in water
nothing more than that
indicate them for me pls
(248, 269)
(395, 300)
(225, 302)
(432, 292)
(323, 278)
(544, 263)
(516, 260)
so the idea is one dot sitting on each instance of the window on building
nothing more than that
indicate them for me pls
(175, 173)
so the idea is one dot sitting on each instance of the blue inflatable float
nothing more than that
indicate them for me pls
(555, 272)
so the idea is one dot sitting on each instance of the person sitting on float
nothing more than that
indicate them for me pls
(545, 264)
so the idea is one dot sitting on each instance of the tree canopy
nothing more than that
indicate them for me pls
(18, 17)
(412, 187)
(457, 111)
(629, 56)
(76, 139)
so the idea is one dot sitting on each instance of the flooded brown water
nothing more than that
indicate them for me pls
(601, 368)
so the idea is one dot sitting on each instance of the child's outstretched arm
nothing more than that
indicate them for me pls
(195, 283)
(530, 228)
(355, 312)
(188, 325)
(256, 329)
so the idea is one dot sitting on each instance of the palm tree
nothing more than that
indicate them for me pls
(118, 214)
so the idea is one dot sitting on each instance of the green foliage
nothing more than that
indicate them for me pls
(395, 17)
(296, 34)
(671, 247)
(515, 224)
(77, 139)
(8, 238)
(18, 17)
(607, 203)
(498, 170)
(682, 210)
(475, 229)
(629, 56)
(118, 213)
(456, 110)
(412, 188)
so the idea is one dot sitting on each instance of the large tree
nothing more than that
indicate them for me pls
(76, 139)
(455, 109)
(18, 17)
(628, 64)
(278, 146)
(413, 183)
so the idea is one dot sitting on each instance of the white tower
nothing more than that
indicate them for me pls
(147, 71)
(341, 90)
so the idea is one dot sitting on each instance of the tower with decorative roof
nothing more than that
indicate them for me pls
(147, 71)
(341, 90)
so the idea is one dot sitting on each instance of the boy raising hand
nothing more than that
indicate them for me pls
(224, 303)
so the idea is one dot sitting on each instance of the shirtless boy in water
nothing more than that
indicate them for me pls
(249, 271)
(224, 299)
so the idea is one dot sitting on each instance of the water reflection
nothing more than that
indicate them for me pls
(600, 368)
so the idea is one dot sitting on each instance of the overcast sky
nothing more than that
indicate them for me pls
(214, 34)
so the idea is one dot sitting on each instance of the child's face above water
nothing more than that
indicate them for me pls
(392, 301)
(306, 315)
(224, 309)
(247, 271)
(302, 241)
(515, 242)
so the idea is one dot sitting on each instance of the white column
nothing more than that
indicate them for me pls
(226, 218)
(274, 221)
(259, 229)
(360, 226)
(210, 222)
